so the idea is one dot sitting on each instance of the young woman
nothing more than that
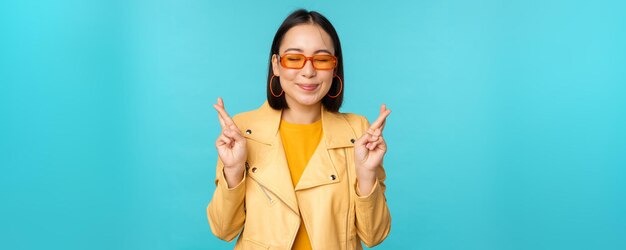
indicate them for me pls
(296, 173)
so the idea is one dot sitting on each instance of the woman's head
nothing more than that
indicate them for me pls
(312, 35)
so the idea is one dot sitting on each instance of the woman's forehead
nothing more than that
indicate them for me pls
(308, 38)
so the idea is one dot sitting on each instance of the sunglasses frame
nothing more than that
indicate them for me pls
(306, 58)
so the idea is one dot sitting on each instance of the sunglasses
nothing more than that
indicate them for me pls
(297, 61)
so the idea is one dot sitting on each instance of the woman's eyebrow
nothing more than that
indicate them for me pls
(322, 51)
(299, 50)
(294, 49)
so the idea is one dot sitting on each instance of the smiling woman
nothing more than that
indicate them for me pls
(312, 32)
(296, 173)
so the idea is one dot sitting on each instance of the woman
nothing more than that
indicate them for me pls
(296, 173)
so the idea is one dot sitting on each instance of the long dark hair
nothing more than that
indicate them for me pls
(298, 17)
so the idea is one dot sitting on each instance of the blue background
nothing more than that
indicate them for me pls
(507, 131)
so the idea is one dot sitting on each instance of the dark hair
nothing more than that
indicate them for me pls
(298, 17)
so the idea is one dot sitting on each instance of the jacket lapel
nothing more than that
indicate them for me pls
(272, 169)
(323, 166)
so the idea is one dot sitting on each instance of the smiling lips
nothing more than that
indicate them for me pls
(308, 87)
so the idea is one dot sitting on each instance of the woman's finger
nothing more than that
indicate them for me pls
(222, 111)
(236, 129)
(362, 140)
(377, 132)
(372, 145)
(219, 117)
(236, 133)
(222, 140)
(384, 112)
(230, 133)
(381, 144)
(370, 132)
(374, 134)
(382, 125)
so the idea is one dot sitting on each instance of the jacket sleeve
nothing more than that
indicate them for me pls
(226, 212)
(373, 220)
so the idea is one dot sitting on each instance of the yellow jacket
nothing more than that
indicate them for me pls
(268, 208)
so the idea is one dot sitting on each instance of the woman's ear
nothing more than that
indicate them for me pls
(275, 65)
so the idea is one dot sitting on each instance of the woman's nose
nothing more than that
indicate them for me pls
(308, 70)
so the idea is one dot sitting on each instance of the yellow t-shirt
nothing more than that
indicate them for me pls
(300, 142)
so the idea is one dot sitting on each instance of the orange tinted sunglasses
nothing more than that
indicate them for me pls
(297, 61)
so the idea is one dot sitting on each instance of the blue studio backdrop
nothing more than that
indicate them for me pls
(508, 128)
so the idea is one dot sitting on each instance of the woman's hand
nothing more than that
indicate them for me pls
(231, 146)
(369, 151)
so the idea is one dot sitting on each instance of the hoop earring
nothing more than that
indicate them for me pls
(340, 87)
(271, 90)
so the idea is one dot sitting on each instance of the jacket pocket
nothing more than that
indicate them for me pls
(250, 244)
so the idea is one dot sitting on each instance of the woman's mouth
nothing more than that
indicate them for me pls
(308, 87)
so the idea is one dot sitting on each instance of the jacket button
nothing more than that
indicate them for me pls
(253, 170)
(352, 140)
(333, 177)
(248, 132)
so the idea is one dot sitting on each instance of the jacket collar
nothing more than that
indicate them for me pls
(337, 130)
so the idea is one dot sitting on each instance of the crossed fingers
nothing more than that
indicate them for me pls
(225, 121)
(376, 128)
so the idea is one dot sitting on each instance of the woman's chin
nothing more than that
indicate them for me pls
(307, 100)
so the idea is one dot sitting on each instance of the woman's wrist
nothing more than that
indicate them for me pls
(365, 173)
(365, 181)
(234, 175)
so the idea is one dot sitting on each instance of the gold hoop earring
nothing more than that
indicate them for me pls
(271, 89)
(340, 87)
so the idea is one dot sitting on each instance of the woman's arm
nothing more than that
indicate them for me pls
(226, 212)
(373, 220)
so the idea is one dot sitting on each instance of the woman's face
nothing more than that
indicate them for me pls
(306, 86)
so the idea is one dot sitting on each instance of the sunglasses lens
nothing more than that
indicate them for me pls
(293, 61)
(324, 62)
(297, 61)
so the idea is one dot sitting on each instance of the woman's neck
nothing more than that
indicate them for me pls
(300, 114)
